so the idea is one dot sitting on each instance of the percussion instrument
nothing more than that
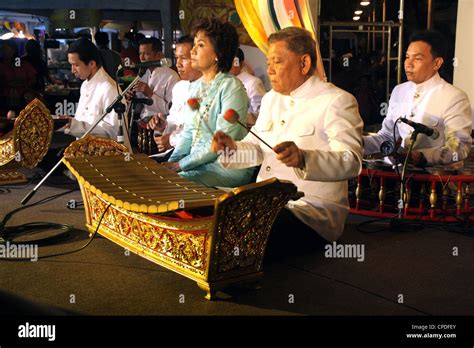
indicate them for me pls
(436, 194)
(145, 141)
(28, 142)
(213, 237)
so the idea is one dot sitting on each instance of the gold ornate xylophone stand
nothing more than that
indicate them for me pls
(215, 238)
(27, 144)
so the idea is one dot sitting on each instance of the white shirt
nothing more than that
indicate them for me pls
(436, 104)
(175, 120)
(161, 81)
(324, 122)
(96, 95)
(255, 91)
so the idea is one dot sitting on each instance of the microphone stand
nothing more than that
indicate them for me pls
(401, 202)
(119, 108)
(107, 111)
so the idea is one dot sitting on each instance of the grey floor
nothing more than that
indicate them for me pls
(416, 267)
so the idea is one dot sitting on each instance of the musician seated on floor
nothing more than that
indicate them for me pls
(215, 45)
(172, 126)
(316, 133)
(98, 91)
(427, 99)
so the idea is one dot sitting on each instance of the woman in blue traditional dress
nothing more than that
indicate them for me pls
(215, 46)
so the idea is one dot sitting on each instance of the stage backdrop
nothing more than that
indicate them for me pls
(463, 61)
(262, 18)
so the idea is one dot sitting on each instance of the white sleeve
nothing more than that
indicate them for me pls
(372, 142)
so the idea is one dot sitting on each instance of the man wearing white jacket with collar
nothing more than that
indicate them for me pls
(316, 133)
(98, 91)
(427, 99)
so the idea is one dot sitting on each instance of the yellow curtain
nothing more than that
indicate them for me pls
(264, 17)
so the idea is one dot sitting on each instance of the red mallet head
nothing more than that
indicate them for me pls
(231, 116)
(193, 103)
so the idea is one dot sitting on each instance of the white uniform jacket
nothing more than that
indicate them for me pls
(96, 95)
(324, 122)
(436, 104)
(161, 81)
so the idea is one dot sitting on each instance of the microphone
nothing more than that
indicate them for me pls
(146, 101)
(421, 128)
(163, 62)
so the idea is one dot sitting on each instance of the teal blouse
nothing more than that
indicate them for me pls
(193, 152)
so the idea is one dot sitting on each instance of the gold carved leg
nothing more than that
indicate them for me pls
(459, 197)
(210, 292)
(357, 193)
(382, 195)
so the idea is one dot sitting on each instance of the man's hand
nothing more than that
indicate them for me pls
(163, 142)
(288, 153)
(129, 95)
(157, 122)
(144, 88)
(174, 166)
(416, 158)
(221, 141)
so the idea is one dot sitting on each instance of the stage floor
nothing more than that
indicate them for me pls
(402, 273)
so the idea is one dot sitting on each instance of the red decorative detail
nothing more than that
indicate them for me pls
(418, 207)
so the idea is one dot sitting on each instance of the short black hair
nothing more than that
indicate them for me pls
(433, 38)
(86, 50)
(240, 55)
(101, 38)
(223, 37)
(155, 43)
(185, 39)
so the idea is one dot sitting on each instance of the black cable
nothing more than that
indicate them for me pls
(10, 233)
(395, 127)
(44, 200)
(67, 252)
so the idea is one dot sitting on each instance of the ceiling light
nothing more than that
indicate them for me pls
(358, 12)
(365, 3)
(356, 18)
(7, 36)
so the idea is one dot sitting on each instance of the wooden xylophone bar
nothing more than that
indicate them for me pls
(140, 184)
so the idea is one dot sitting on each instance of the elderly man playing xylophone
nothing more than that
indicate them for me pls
(316, 133)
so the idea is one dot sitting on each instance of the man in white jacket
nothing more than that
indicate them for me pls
(427, 99)
(98, 91)
(172, 127)
(316, 133)
(157, 83)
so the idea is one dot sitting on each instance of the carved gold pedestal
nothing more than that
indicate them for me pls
(27, 144)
